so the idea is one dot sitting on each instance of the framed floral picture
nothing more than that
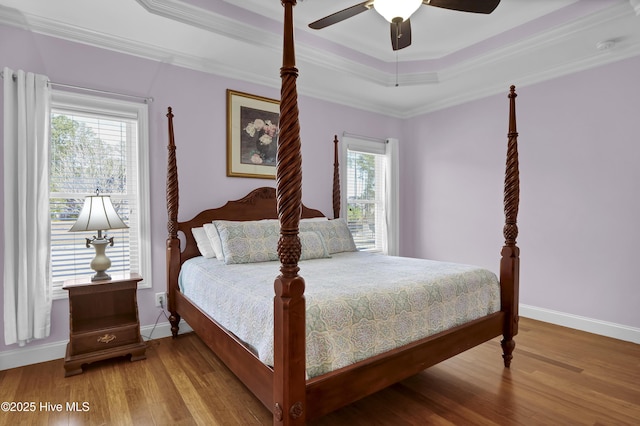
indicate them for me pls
(252, 135)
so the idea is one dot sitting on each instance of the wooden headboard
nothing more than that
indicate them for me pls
(258, 204)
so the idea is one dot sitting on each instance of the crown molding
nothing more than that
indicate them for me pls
(180, 11)
(13, 17)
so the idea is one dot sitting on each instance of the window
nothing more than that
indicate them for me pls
(370, 194)
(366, 199)
(98, 144)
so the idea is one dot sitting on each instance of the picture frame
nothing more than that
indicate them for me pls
(252, 135)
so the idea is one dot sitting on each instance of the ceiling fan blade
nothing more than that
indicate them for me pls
(476, 6)
(334, 18)
(400, 34)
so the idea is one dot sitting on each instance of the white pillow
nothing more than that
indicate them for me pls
(214, 239)
(203, 243)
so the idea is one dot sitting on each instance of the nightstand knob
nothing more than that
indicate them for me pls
(106, 338)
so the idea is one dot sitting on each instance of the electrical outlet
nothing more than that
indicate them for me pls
(161, 300)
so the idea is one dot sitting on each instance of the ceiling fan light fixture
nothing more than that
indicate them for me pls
(390, 9)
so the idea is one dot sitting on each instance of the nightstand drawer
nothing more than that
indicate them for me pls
(104, 339)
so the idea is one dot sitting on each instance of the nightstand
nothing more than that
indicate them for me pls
(103, 321)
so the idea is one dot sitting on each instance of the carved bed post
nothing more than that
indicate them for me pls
(173, 243)
(510, 263)
(289, 382)
(336, 179)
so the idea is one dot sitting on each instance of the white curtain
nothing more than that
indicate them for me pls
(27, 293)
(392, 188)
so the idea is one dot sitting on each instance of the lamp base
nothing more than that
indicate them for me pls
(100, 262)
(100, 275)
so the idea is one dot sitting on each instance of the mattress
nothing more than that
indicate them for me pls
(358, 304)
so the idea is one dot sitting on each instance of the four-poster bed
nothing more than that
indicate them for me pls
(284, 385)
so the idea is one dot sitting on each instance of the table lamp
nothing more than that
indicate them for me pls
(99, 215)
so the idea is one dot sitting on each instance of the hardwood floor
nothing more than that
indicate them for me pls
(558, 376)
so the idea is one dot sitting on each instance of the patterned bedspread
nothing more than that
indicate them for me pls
(358, 304)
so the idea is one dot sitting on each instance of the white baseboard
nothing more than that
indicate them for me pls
(50, 351)
(604, 328)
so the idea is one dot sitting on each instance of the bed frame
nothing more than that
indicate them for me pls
(283, 388)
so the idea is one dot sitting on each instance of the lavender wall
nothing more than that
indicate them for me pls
(198, 102)
(579, 153)
(579, 156)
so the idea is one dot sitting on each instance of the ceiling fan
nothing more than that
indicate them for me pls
(397, 12)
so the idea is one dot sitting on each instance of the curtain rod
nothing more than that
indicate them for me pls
(88, 89)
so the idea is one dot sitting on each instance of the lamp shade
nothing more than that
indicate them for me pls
(390, 9)
(97, 214)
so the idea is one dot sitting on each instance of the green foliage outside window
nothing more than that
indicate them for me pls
(82, 162)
